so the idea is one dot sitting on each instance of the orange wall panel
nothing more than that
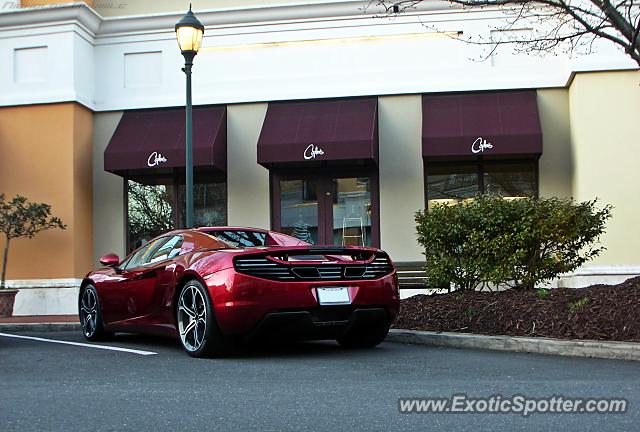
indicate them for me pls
(32, 3)
(45, 155)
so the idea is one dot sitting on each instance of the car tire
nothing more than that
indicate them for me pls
(365, 337)
(90, 313)
(198, 330)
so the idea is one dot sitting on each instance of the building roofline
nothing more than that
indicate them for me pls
(107, 26)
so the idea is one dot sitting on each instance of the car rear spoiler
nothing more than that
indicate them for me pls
(359, 255)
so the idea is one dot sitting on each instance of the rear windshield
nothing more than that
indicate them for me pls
(240, 238)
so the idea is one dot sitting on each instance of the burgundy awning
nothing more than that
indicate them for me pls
(481, 124)
(313, 131)
(155, 139)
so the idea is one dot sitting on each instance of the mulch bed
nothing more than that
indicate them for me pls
(612, 312)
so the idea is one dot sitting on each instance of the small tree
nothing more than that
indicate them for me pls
(20, 218)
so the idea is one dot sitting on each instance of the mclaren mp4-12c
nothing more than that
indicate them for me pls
(215, 287)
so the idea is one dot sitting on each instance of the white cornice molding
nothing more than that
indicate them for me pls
(269, 14)
(239, 16)
(52, 14)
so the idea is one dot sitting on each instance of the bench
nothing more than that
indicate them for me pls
(411, 276)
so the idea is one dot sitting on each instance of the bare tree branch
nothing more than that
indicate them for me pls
(571, 24)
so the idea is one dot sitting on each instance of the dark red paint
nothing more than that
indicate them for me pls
(143, 299)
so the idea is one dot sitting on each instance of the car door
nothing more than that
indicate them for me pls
(148, 280)
(115, 291)
(135, 295)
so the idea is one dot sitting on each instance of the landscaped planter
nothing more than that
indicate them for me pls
(598, 312)
(7, 299)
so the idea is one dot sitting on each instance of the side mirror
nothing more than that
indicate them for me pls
(110, 260)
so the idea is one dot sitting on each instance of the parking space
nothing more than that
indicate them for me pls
(306, 386)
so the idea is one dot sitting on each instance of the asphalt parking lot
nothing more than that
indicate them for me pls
(297, 387)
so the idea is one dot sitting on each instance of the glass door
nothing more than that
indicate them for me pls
(351, 208)
(327, 209)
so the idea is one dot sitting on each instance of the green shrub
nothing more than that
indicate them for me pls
(519, 242)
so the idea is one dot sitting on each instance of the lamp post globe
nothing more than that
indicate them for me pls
(189, 31)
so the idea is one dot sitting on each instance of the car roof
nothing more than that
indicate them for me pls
(215, 228)
(230, 228)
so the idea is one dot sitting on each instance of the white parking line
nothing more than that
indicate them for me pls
(104, 347)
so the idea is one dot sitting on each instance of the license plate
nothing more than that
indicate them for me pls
(333, 296)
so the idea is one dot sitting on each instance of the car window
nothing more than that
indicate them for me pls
(168, 249)
(142, 255)
(241, 238)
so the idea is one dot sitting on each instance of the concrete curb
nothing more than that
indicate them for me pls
(38, 327)
(572, 347)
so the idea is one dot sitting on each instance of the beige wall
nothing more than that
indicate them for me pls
(247, 182)
(401, 174)
(45, 155)
(138, 7)
(605, 113)
(556, 162)
(108, 192)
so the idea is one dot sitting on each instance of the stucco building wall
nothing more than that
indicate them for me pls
(401, 174)
(555, 167)
(605, 111)
(45, 155)
(247, 182)
(108, 192)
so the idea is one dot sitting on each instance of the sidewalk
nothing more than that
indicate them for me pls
(38, 323)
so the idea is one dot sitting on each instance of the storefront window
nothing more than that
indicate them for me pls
(299, 209)
(451, 183)
(154, 207)
(149, 210)
(209, 204)
(510, 180)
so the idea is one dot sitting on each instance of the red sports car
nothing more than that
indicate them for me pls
(213, 287)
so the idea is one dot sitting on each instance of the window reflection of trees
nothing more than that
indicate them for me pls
(149, 210)
(209, 204)
(155, 209)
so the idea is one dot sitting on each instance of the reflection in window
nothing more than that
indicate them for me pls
(299, 209)
(209, 204)
(150, 211)
(241, 238)
(153, 207)
(352, 212)
(168, 249)
(510, 180)
(141, 257)
(449, 183)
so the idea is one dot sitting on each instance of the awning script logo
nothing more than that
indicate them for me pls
(156, 159)
(312, 151)
(479, 145)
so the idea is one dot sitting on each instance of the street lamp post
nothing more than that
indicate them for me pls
(189, 33)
